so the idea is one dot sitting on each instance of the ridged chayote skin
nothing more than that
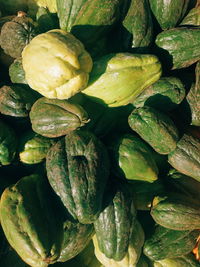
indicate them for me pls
(56, 64)
(134, 250)
(117, 79)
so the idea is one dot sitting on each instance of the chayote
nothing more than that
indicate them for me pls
(34, 147)
(8, 144)
(132, 256)
(117, 79)
(56, 64)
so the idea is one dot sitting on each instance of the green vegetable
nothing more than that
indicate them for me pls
(164, 95)
(193, 98)
(144, 192)
(76, 238)
(16, 34)
(8, 144)
(186, 157)
(89, 20)
(46, 20)
(133, 159)
(169, 13)
(33, 148)
(16, 72)
(167, 243)
(132, 256)
(137, 26)
(192, 18)
(114, 225)
(117, 79)
(34, 5)
(78, 168)
(16, 100)
(30, 223)
(54, 117)
(183, 261)
(175, 47)
(183, 184)
(177, 212)
(56, 64)
(155, 127)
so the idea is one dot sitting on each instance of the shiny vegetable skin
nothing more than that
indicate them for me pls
(54, 118)
(117, 79)
(76, 237)
(16, 100)
(133, 159)
(167, 243)
(132, 256)
(176, 212)
(169, 13)
(155, 127)
(175, 47)
(78, 169)
(31, 221)
(88, 20)
(114, 224)
(186, 157)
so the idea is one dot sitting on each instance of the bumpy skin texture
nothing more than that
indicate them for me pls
(54, 118)
(156, 128)
(8, 144)
(132, 256)
(16, 34)
(16, 100)
(164, 95)
(76, 237)
(168, 13)
(137, 25)
(175, 46)
(133, 159)
(77, 169)
(117, 79)
(114, 225)
(167, 243)
(193, 98)
(176, 212)
(183, 261)
(30, 223)
(56, 64)
(186, 157)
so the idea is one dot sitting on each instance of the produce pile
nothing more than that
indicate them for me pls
(100, 133)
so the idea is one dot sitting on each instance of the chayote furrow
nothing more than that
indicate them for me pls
(29, 221)
(77, 169)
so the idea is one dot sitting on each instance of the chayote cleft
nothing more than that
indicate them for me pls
(117, 79)
(17, 33)
(54, 117)
(56, 64)
(32, 220)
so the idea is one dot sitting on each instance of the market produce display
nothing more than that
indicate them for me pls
(100, 133)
